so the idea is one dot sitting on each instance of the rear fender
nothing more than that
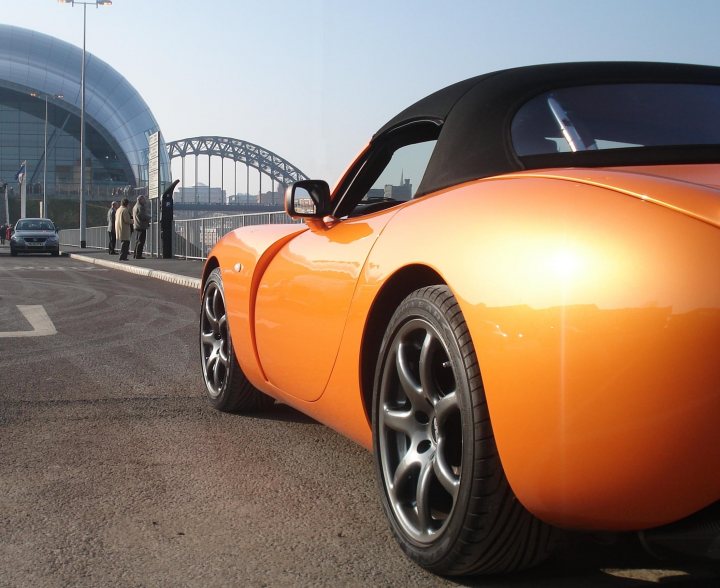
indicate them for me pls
(596, 320)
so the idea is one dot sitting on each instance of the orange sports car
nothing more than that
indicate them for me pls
(512, 297)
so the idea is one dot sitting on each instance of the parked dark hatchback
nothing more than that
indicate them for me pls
(35, 235)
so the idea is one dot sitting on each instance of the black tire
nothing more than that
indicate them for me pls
(55, 253)
(13, 252)
(226, 386)
(441, 482)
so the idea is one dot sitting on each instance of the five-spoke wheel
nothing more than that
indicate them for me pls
(214, 339)
(226, 386)
(442, 486)
(419, 423)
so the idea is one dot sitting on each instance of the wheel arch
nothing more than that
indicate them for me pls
(394, 290)
(210, 265)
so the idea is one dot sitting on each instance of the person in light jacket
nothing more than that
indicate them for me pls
(141, 223)
(123, 224)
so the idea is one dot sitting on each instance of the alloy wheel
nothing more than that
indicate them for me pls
(214, 339)
(420, 431)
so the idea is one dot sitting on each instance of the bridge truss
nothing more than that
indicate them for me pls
(278, 170)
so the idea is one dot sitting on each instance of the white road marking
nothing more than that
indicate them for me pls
(38, 319)
(48, 268)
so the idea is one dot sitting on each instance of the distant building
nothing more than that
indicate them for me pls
(403, 191)
(272, 199)
(242, 199)
(269, 199)
(37, 69)
(200, 193)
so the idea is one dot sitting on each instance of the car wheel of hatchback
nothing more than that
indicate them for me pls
(226, 386)
(442, 485)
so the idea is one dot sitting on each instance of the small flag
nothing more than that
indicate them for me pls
(20, 175)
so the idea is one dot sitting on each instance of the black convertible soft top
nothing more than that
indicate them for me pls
(475, 139)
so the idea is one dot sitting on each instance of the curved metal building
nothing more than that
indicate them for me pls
(39, 89)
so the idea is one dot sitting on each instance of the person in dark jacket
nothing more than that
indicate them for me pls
(141, 223)
(111, 227)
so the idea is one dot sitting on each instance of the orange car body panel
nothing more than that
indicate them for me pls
(303, 300)
(593, 301)
(243, 257)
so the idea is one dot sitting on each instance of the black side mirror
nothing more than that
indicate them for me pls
(308, 199)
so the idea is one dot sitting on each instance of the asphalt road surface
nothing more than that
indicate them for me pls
(114, 471)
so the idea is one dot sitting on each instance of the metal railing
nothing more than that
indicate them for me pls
(192, 238)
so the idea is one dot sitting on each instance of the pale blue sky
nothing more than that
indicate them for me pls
(313, 80)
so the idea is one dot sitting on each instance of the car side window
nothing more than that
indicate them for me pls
(391, 172)
(399, 181)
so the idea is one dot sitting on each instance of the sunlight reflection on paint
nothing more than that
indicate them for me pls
(565, 264)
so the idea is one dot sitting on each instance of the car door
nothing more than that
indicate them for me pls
(303, 298)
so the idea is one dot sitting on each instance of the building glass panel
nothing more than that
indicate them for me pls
(35, 67)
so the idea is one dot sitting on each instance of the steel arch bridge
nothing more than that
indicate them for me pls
(265, 161)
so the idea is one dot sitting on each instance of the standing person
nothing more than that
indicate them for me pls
(123, 222)
(3, 228)
(141, 223)
(111, 227)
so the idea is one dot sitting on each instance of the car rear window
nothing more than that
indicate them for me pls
(612, 116)
(34, 225)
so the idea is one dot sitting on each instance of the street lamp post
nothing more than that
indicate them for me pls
(44, 210)
(95, 3)
(45, 151)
